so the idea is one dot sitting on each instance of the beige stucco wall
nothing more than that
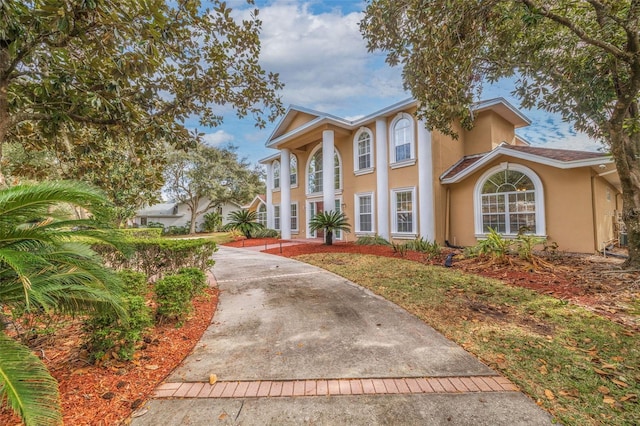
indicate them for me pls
(489, 131)
(567, 198)
(605, 197)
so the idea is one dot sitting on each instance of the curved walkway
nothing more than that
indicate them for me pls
(293, 344)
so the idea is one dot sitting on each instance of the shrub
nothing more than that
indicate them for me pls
(399, 248)
(141, 232)
(212, 222)
(155, 225)
(525, 243)
(109, 335)
(421, 245)
(178, 230)
(197, 277)
(133, 282)
(173, 296)
(372, 240)
(157, 257)
(266, 233)
(495, 245)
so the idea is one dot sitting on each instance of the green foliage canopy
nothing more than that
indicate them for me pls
(577, 58)
(207, 177)
(74, 73)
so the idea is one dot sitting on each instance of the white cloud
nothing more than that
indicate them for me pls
(218, 138)
(322, 58)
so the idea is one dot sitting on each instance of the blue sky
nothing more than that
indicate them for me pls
(318, 51)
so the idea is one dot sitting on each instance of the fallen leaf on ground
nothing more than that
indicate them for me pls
(213, 378)
(608, 400)
(629, 397)
(620, 383)
(152, 367)
(603, 390)
(550, 396)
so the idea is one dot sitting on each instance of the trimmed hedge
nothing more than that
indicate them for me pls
(157, 257)
(173, 296)
(142, 232)
(109, 335)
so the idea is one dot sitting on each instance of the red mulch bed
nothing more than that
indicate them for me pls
(588, 280)
(107, 394)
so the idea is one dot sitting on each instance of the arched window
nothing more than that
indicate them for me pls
(293, 172)
(402, 140)
(315, 172)
(363, 151)
(276, 174)
(509, 199)
(262, 215)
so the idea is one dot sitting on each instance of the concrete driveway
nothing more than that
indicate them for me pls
(293, 344)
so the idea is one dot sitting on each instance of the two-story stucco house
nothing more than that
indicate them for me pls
(395, 178)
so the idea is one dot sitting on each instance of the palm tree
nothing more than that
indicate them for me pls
(46, 265)
(243, 221)
(330, 222)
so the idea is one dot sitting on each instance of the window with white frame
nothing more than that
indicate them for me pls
(261, 215)
(364, 212)
(402, 139)
(404, 213)
(508, 202)
(294, 216)
(293, 170)
(276, 217)
(315, 172)
(363, 149)
(276, 174)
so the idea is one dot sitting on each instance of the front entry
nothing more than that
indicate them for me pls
(314, 208)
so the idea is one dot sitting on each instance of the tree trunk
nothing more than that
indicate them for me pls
(193, 209)
(329, 237)
(626, 152)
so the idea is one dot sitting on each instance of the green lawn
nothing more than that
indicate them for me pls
(581, 367)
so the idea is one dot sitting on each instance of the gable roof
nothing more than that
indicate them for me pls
(560, 158)
(280, 134)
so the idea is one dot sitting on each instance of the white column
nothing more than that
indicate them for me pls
(426, 205)
(328, 185)
(382, 179)
(285, 194)
(270, 223)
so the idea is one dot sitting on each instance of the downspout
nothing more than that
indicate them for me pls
(593, 214)
(447, 218)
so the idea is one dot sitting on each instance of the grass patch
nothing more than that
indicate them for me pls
(579, 366)
(217, 237)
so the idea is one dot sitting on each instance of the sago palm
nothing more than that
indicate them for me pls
(243, 221)
(46, 265)
(330, 222)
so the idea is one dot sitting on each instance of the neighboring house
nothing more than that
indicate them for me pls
(259, 205)
(178, 214)
(395, 178)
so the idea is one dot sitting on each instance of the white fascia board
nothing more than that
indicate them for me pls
(270, 158)
(398, 106)
(497, 101)
(526, 156)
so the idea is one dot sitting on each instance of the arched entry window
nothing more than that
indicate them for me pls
(315, 172)
(509, 198)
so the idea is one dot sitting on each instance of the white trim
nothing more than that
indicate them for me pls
(277, 173)
(356, 152)
(340, 171)
(364, 171)
(285, 194)
(499, 104)
(297, 216)
(426, 204)
(269, 196)
(394, 215)
(541, 226)
(403, 163)
(279, 217)
(356, 212)
(504, 150)
(392, 140)
(382, 179)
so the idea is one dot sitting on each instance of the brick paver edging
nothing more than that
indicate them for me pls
(331, 387)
